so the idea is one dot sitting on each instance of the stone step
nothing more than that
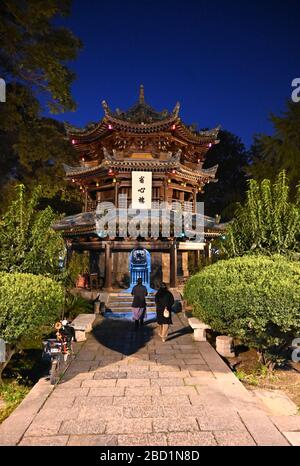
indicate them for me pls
(123, 309)
(128, 298)
(126, 295)
(128, 303)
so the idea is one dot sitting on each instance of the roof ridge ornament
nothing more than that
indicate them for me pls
(105, 107)
(142, 95)
(107, 156)
(176, 109)
(177, 156)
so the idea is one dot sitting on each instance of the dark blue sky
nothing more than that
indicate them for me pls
(226, 62)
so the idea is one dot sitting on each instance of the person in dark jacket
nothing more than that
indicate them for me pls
(164, 302)
(139, 293)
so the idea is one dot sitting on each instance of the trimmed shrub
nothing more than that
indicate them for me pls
(28, 303)
(254, 298)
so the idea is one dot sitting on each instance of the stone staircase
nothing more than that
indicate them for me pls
(121, 301)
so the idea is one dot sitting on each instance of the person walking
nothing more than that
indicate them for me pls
(139, 293)
(164, 301)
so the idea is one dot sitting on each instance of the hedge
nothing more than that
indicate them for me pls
(254, 298)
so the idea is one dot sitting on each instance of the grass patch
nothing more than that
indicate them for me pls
(255, 376)
(11, 393)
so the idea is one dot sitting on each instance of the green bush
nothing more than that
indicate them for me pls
(254, 298)
(76, 305)
(79, 263)
(28, 303)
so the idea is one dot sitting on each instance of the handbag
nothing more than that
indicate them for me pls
(166, 313)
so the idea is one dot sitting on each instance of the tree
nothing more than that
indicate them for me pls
(34, 58)
(231, 156)
(34, 51)
(27, 241)
(32, 148)
(28, 303)
(267, 223)
(271, 154)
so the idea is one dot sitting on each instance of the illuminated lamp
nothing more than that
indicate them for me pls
(73, 141)
(110, 126)
(97, 184)
(210, 144)
(82, 159)
(173, 171)
(73, 181)
(80, 187)
(169, 180)
(110, 171)
(173, 127)
(114, 180)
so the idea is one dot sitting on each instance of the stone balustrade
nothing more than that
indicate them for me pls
(83, 324)
(199, 328)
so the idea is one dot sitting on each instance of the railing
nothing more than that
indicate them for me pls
(186, 206)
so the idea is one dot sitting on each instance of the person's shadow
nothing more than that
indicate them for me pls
(121, 336)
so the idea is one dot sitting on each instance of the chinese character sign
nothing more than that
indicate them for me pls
(141, 190)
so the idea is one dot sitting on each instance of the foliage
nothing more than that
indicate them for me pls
(267, 223)
(32, 147)
(253, 298)
(35, 50)
(27, 241)
(78, 264)
(12, 393)
(34, 56)
(272, 154)
(257, 376)
(231, 156)
(27, 304)
(75, 305)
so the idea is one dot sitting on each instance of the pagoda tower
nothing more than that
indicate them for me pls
(115, 154)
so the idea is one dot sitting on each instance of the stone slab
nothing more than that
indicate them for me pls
(277, 402)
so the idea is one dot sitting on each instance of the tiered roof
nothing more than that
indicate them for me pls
(155, 165)
(142, 121)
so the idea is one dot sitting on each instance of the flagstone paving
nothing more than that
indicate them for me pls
(127, 387)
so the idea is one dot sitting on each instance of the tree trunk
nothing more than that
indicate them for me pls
(10, 351)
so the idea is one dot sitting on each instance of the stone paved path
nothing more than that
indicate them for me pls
(129, 388)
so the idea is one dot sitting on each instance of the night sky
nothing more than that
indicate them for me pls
(226, 62)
